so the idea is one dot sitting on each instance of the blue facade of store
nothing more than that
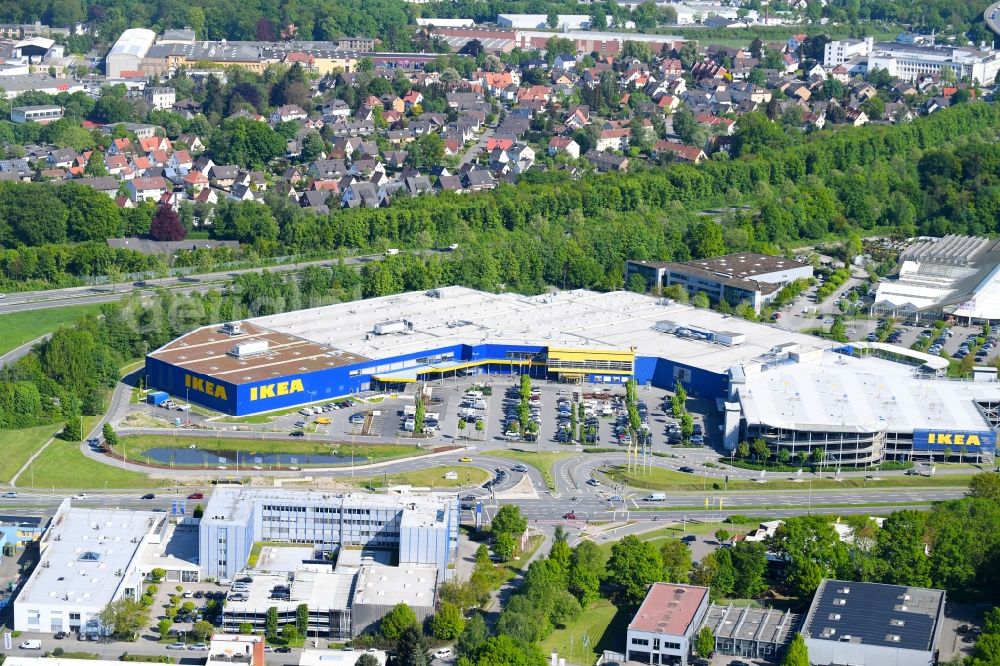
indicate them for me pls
(308, 387)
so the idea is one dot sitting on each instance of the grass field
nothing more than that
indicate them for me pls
(21, 327)
(666, 479)
(432, 477)
(19, 445)
(543, 461)
(61, 465)
(134, 445)
(601, 627)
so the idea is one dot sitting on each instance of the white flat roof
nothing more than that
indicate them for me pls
(412, 584)
(840, 393)
(319, 587)
(338, 657)
(236, 502)
(87, 550)
(576, 319)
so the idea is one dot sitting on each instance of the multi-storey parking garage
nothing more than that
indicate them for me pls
(794, 391)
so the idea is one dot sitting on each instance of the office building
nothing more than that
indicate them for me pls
(744, 277)
(43, 114)
(415, 529)
(871, 624)
(909, 61)
(88, 558)
(227, 649)
(663, 629)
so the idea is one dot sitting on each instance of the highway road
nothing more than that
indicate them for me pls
(992, 17)
(53, 298)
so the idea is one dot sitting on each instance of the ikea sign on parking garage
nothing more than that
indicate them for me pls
(939, 440)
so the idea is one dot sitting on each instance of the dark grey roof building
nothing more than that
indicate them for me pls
(872, 624)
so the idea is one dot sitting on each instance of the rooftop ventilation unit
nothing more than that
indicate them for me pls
(397, 326)
(233, 328)
(248, 349)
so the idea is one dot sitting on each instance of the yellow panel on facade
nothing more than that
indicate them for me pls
(570, 354)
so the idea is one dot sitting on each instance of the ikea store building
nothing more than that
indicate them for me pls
(306, 356)
(787, 388)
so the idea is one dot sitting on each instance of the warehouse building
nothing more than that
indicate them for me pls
(414, 529)
(746, 276)
(314, 355)
(127, 53)
(664, 627)
(954, 275)
(871, 624)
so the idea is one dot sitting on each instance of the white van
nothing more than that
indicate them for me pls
(475, 395)
(305, 411)
(31, 645)
(391, 251)
(655, 497)
(480, 403)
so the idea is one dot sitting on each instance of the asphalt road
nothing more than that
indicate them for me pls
(992, 17)
(53, 298)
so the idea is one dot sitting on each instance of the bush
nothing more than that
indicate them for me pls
(58, 652)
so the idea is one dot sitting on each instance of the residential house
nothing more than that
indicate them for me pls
(288, 112)
(605, 162)
(63, 158)
(477, 180)
(522, 156)
(147, 189)
(192, 141)
(613, 139)
(224, 176)
(152, 143)
(564, 61)
(106, 184)
(564, 144)
(679, 151)
(361, 194)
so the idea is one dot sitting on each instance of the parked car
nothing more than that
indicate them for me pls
(569, 516)
(149, 496)
(196, 496)
(198, 647)
(443, 653)
(177, 646)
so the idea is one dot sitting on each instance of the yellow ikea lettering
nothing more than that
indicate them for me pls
(208, 388)
(276, 389)
(956, 439)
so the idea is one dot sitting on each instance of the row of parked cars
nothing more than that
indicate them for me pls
(512, 426)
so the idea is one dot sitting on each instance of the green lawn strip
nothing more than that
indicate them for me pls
(600, 627)
(431, 477)
(21, 327)
(542, 461)
(20, 445)
(62, 465)
(517, 567)
(658, 478)
(134, 446)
